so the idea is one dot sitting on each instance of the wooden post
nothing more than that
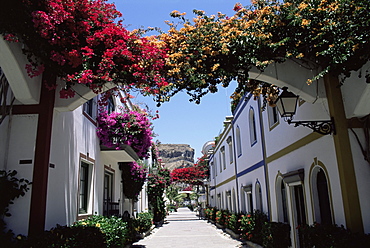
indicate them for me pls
(351, 202)
(42, 157)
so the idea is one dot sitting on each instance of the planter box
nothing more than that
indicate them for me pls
(159, 224)
(232, 234)
(252, 245)
(220, 226)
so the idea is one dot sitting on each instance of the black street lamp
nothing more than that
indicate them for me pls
(287, 106)
(287, 103)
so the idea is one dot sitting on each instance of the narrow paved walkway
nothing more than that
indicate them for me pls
(183, 229)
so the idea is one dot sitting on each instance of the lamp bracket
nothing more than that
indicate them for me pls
(321, 127)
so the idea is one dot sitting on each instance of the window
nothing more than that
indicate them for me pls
(212, 170)
(323, 194)
(230, 144)
(283, 199)
(110, 106)
(234, 206)
(90, 108)
(223, 157)
(215, 166)
(228, 200)
(248, 198)
(281, 196)
(322, 206)
(238, 142)
(252, 127)
(84, 188)
(294, 185)
(108, 193)
(273, 116)
(299, 204)
(259, 197)
(220, 161)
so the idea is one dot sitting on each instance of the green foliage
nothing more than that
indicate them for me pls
(65, 237)
(11, 188)
(330, 36)
(234, 222)
(157, 184)
(254, 227)
(190, 207)
(172, 192)
(251, 226)
(323, 236)
(117, 233)
(222, 217)
(143, 222)
(210, 213)
(276, 235)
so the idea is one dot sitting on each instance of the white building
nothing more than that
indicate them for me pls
(53, 143)
(295, 175)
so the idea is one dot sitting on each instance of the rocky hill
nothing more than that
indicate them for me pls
(176, 155)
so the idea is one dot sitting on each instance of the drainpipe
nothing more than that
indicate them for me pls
(263, 142)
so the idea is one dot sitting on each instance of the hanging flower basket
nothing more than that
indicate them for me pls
(130, 128)
(133, 177)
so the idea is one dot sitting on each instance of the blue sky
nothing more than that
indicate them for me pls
(181, 121)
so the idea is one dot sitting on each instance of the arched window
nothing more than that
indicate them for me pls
(281, 197)
(252, 127)
(283, 200)
(238, 142)
(323, 193)
(248, 198)
(234, 207)
(259, 197)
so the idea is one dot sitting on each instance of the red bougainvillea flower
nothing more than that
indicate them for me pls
(82, 43)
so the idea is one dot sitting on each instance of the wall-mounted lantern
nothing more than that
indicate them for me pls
(287, 106)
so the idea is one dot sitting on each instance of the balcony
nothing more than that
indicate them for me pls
(124, 154)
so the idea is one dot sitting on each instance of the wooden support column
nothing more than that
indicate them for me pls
(42, 157)
(347, 176)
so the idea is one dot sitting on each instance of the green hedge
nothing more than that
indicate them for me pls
(116, 231)
(143, 222)
(333, 236)
(66, 237)
(254, 227)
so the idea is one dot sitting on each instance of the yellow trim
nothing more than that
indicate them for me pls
(226, 181)
(296, 145)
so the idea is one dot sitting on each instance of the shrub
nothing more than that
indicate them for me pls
(251, 226)
(222, 217)
(11, 188)
(143, 222)
(276, 235)
(322, 236)
(234, 222)
(117, 232)
(65, 237)
(190, 207)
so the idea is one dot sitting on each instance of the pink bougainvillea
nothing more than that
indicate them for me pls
(134, 176)
(130, 127)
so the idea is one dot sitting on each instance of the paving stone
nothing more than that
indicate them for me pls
(183, 229)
